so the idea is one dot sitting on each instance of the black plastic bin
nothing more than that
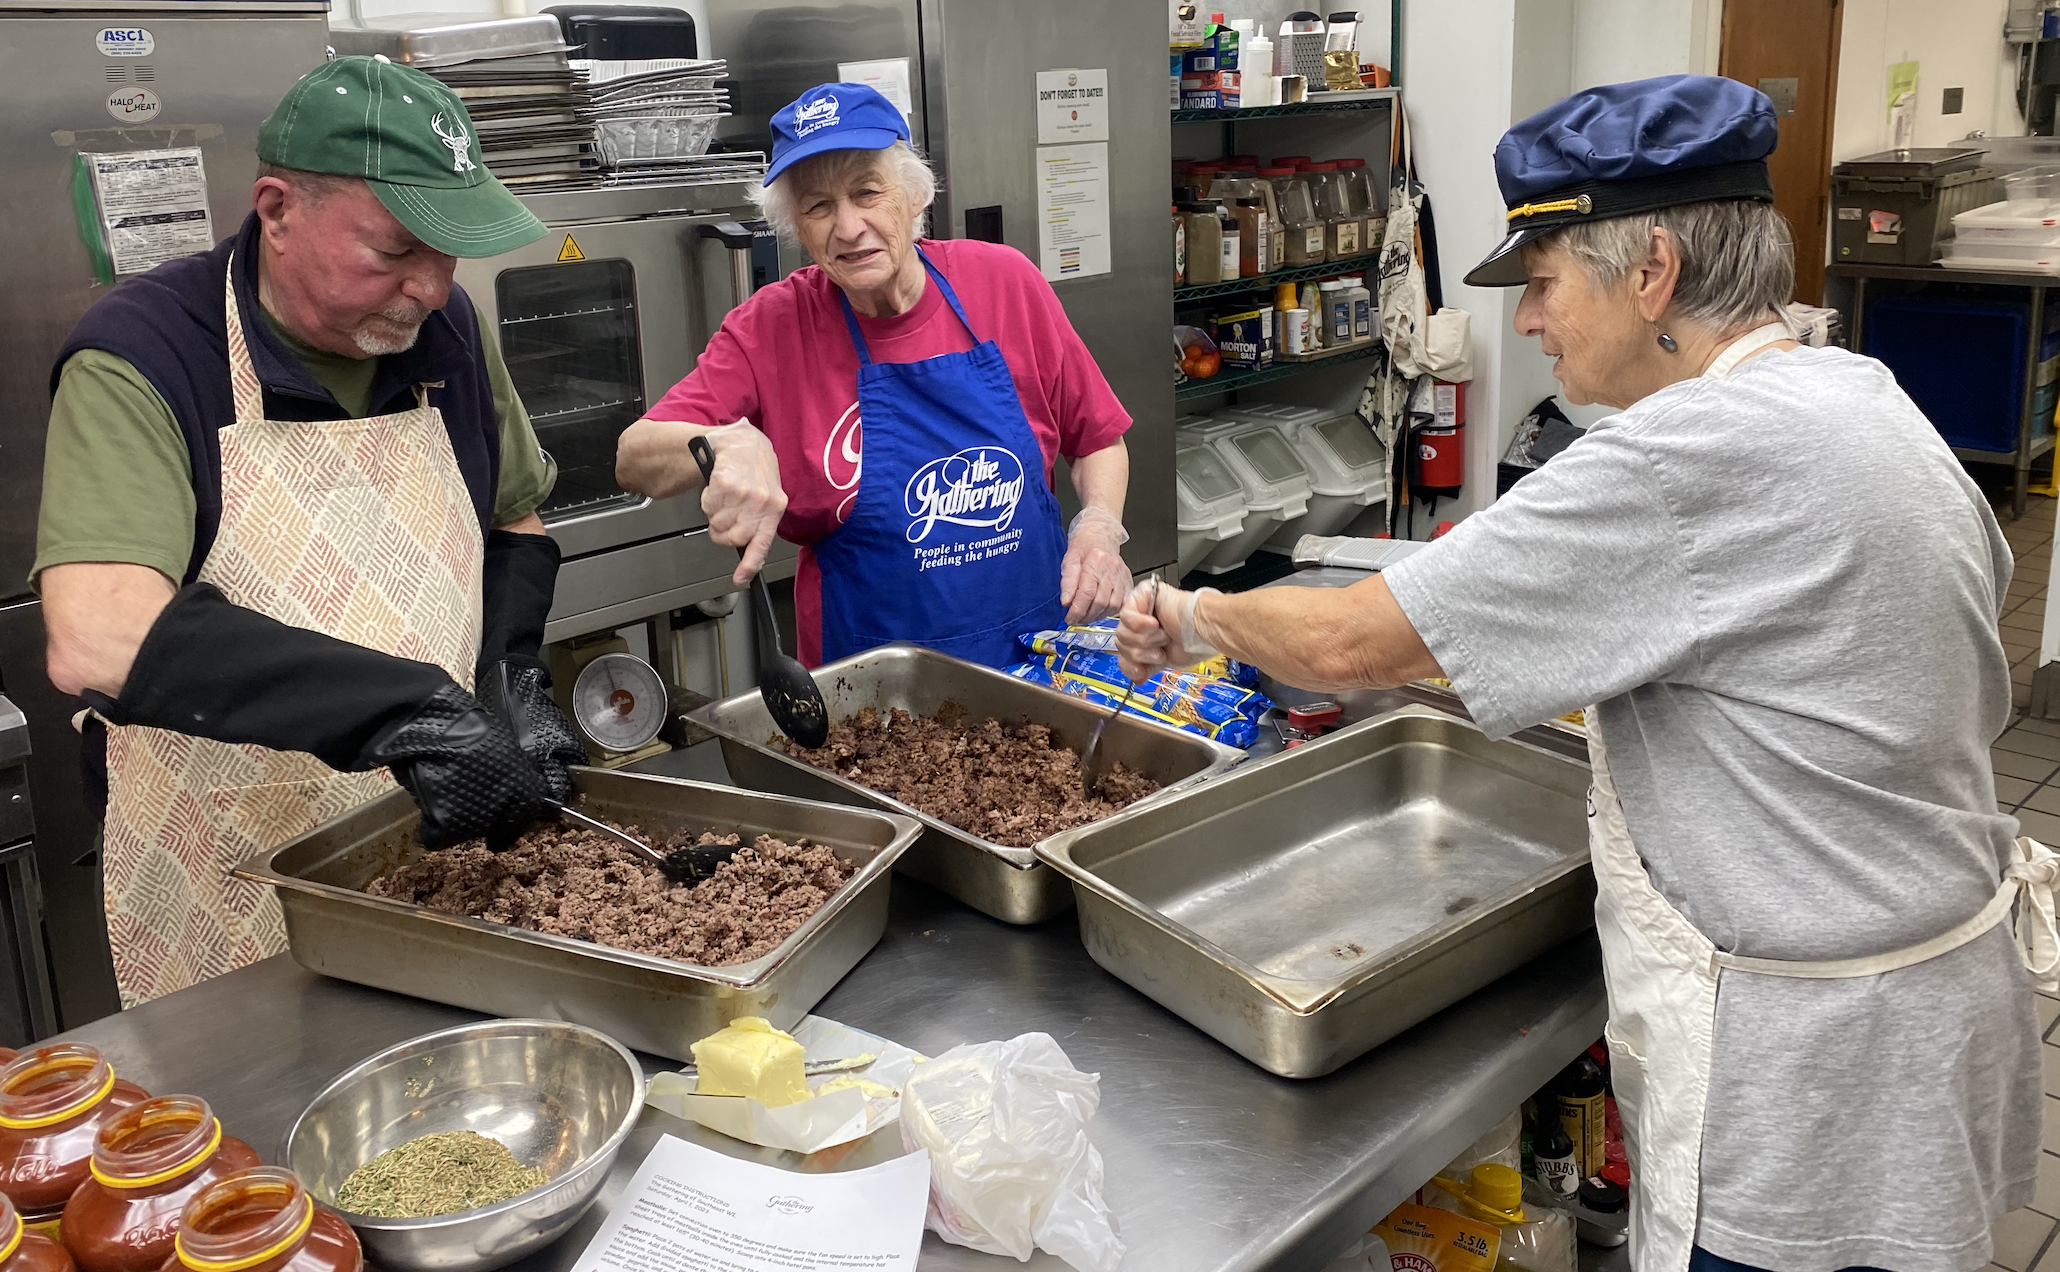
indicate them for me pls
(1897, 208)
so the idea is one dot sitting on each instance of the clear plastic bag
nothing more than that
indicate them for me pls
(1011, 1168)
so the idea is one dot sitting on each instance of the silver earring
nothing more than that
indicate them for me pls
(1667, 342)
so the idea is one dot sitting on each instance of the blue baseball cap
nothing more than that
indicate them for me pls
(1625, 148)
(833, 117)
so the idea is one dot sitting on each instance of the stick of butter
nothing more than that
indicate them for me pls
(750, 1057)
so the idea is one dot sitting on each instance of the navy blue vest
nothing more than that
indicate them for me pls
(170, 325)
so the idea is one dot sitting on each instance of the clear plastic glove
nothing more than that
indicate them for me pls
(1153, 635)
(1093, 578)
(744, 500)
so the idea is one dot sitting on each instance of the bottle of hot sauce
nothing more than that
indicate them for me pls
(262, 1220)
(148, 1161)
(53, 1102)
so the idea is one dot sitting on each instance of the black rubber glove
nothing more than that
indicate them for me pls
(517, 581)
(465, 771)
(213, 669)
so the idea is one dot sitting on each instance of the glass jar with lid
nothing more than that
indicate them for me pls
(1302, 231)
(23, 1249)
(1373, 223)
(262, 1218)
(148, 1162)
(1334, 207)
(53, 1102)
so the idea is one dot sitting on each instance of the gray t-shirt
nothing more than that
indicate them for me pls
(1781, 591)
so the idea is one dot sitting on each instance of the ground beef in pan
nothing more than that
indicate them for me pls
(1006, 783)
(572, 882)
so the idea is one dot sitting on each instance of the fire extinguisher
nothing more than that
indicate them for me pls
(1438, 445)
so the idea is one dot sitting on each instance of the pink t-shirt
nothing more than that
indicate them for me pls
(784, 361)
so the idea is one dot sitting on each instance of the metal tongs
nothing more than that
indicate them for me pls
(1095, 764)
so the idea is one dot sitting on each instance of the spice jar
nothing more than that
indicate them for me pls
(1334, 209)
(261, 1218)
(1232, 248)
(1337, 313)
(1373, 223)
(1254, 237)
(1204, 243)
(1301, 229)
(53, 1101)
(148, 1162)
(22, 1249)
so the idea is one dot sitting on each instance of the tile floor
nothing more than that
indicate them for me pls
(2027, 759)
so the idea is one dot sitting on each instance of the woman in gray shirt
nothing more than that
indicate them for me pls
(1778, 590)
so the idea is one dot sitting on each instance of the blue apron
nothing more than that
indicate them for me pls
(954, 541)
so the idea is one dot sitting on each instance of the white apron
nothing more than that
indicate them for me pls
(1662, 975)
(362, 529)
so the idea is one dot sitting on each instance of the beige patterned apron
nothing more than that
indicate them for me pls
(362, 529)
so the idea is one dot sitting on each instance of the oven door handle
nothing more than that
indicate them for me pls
(738, 238)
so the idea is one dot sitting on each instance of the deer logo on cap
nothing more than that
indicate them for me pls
(458, 140)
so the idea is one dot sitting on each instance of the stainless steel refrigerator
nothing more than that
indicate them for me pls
(99, 78)
(973, 83)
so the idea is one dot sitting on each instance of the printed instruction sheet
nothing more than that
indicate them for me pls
(152, 206)
(692, 1209)
(1073, 210)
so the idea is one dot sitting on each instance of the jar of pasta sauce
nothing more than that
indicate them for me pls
(148, 1161)
(23, 1249)
(262, 1220)
(53, 1102)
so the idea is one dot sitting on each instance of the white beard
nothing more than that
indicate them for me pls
(408, 316)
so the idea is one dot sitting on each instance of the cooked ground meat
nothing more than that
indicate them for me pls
(573, 882)
(1003, 782)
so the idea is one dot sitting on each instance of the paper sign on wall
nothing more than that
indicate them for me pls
(1073, 210)
(1072, 106)
(888, 76)
(151, 206)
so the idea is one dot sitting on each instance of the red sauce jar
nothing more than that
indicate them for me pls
(25, 1250)
(262, 1220)
(148, 1162)
(53, 1101)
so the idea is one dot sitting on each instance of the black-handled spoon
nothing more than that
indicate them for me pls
(790, 693)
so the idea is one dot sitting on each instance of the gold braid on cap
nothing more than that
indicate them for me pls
(1583, 205)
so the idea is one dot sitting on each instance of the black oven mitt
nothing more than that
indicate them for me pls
(214, 669)
(516, 585)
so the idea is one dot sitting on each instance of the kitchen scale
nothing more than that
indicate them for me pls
(619, 702)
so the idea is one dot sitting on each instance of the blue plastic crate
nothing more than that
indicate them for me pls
(1961, 362)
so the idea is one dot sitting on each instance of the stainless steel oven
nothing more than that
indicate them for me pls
(597, 320)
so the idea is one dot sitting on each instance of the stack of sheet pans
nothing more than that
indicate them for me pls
(529, 104)
(652, 116)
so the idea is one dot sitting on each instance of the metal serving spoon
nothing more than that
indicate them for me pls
(682, 865)
(1095, 764)
(790, 693)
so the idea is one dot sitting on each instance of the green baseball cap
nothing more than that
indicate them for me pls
(411, 140)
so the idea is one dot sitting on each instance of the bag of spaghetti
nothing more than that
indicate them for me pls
(1214, 706)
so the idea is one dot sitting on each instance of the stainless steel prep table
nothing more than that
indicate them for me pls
(1212, 1163)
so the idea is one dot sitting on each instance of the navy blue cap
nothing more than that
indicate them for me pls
(1626, 148)
(833, 117)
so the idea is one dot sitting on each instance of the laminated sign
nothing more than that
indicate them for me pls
(140, 208)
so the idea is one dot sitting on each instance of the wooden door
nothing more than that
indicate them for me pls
(1768, 44)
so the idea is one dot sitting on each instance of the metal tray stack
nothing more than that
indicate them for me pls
(1304, 909)
(1003, 881)
(651, 1004)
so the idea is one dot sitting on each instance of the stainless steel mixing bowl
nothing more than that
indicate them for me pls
(561, 1097)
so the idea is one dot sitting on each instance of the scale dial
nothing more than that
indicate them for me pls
(619, 701)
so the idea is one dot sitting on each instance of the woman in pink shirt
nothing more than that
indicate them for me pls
(934, 521)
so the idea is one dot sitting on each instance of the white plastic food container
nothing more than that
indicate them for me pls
(1211, 501)
(1276, 484)
(1344, 460)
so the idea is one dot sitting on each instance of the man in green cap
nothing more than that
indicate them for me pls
(289, 527)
